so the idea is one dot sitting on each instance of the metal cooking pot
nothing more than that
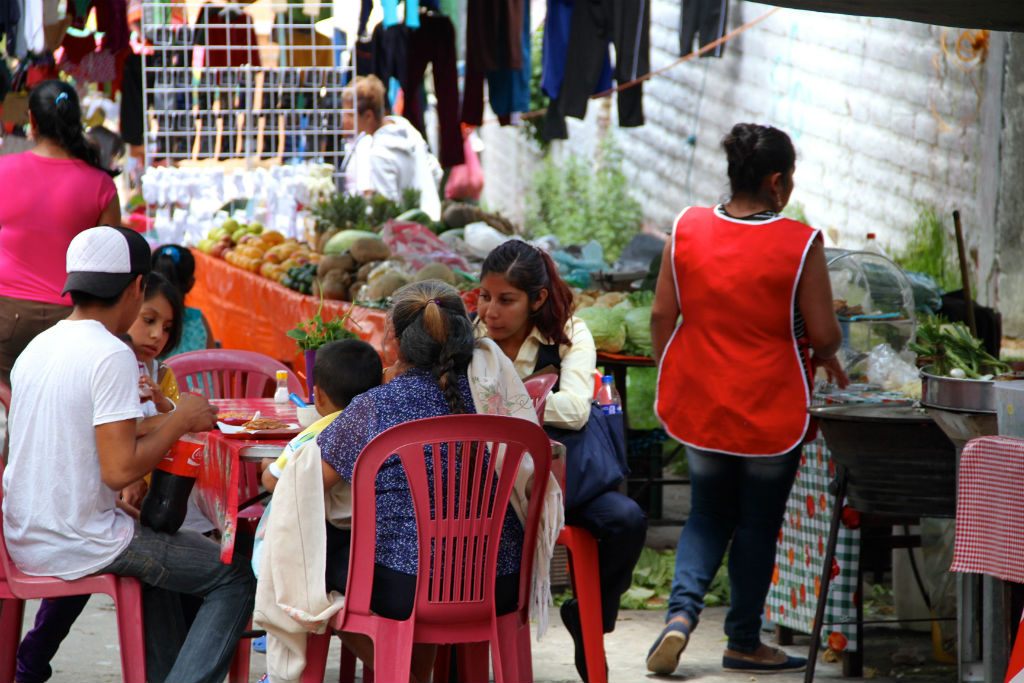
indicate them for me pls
(962, 395)
(897, 459)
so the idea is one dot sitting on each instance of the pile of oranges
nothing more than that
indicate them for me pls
(270, 254)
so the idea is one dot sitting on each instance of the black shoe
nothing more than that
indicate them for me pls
(570, 612)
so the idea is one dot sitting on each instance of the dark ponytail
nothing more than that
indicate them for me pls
(434, 334)
(58, 117)
(753, 152)
(527, 268)
(177, 264)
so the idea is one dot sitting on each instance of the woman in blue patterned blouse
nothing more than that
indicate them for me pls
(435, 344)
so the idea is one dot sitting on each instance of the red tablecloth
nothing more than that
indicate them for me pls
(990, 509)
(224, 480)
(247, 311)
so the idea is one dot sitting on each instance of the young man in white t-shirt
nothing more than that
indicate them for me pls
(73, 447)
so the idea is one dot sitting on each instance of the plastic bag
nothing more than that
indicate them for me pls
(417, 246)
(466, 181)
(893, 372)
(481, 239)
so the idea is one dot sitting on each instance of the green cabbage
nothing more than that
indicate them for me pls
(607, 325)
(638, 331)
(642, 383)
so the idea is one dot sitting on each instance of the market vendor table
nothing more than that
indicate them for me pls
(247, 311)
(989, 533)
(800, 553)
(225, 477)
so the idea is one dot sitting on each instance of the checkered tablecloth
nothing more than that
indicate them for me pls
(990, 509)
(796, 581)
(224, 481)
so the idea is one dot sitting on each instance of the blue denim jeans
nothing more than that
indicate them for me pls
(738, 499)
(187, 563)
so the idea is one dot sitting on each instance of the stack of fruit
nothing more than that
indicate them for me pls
(268, 253)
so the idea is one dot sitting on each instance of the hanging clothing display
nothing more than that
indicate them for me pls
(494, 31)
(412, 13)
(228, 37)
(30, 29)
(388, 53)
(555, 51)
(434, 43)
(497, 49)
(111, 21)
(508, 90)
(704, 17)
(10, 17)
(595, 23)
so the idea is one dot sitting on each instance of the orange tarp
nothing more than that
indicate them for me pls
(247, 311)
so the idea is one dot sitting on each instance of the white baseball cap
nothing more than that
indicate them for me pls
(103, 261)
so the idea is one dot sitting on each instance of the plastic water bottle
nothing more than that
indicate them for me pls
(871, 245)
(281, 393)
(608, 397)
(166, 503)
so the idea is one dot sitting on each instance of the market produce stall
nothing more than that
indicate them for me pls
(875, 307)
(247, 311)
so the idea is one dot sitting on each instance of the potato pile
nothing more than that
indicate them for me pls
(366, 271)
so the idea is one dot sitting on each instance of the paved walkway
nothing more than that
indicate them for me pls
(91, 654)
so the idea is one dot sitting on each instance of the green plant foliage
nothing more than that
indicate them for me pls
(576, 203)
(354, 212)
(315, 332)
(947, 346)
(929, 249)
(342, 211)
(652, 582)
(796, 212)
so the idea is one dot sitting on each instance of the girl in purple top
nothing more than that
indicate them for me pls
(435, 342)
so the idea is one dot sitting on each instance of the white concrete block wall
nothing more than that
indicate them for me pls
(856, 95)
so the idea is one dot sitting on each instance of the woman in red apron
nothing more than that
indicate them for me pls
(753, 291)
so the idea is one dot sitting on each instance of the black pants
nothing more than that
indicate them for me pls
(626, 23)
(620, 527)
(434, 43)
(394, 593)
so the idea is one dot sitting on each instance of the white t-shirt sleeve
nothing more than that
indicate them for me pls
(115, 388)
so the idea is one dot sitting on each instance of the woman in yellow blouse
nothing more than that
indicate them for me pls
(526, 308)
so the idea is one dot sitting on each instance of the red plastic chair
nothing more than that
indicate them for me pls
(230, 373)
(583, 564)
(451, 606)
(538, 388)
(18, 587)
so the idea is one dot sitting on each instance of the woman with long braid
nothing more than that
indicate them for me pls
(435, 345)
(52, 192)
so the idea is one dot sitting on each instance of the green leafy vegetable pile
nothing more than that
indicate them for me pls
(948, 346)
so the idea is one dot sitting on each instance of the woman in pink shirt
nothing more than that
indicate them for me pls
(51, 193)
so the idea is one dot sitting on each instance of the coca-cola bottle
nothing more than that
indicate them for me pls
(166, 502)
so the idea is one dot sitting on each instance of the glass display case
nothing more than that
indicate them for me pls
(874, 302)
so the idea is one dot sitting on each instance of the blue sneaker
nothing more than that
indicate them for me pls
(259, 644)
(766, 660)
(663, 657)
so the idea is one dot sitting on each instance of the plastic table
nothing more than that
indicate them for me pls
(227, 479)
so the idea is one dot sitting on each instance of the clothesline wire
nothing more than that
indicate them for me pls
(651, 74)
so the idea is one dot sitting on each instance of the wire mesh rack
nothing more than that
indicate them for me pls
(244, 85)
